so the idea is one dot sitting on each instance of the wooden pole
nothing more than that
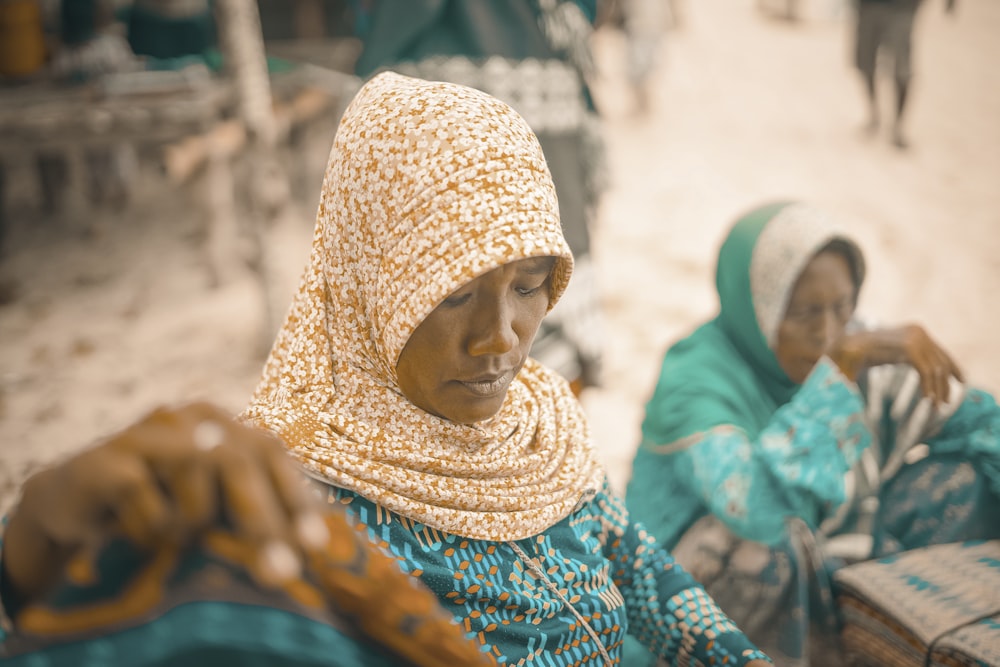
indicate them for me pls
(244, 59)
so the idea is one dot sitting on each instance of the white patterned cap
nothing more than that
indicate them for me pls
(785, 246)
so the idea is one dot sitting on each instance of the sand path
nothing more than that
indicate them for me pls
(106, 325)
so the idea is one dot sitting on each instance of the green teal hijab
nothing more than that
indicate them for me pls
(726, 372)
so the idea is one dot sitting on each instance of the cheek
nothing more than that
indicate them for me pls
(786, 348)
(406, 377)
(419, 359)
(794, 358)
(530, 320)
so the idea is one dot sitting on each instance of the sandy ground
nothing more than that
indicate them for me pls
(102, 321)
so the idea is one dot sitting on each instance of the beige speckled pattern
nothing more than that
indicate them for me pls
(428, 186)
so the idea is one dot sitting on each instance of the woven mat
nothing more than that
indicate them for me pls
(936, 606)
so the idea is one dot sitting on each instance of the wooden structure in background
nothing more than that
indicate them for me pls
(201, 122)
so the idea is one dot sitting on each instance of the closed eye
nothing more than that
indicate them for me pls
(529, 291)
(842, 310)
(456, 300)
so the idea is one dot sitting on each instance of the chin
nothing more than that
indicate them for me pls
(478, 413)
(798, 373)
(806, 370)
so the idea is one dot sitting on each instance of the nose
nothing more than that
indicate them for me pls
(829, 330)
(492, 329)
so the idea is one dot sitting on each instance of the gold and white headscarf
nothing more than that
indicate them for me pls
(428, 186)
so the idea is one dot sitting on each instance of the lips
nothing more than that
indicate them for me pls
(489, 385)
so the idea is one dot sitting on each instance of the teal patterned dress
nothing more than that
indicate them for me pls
(199, 606)
(604, 565)
(608, 569)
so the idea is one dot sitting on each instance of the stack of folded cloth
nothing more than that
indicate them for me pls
(938, 606)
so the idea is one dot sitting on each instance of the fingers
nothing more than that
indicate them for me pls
(283, 475)
(97, 493)
(192, 488)
(177, 472)
(309, 528)
(933, 377)
(266, 501)
(933, 364)
(939, 382)
(185, 449)
(285, 515)
(136, 504)
(254, 513)
(180, 452)
(163, 447)
(953, 368)
(217, 467)
(166, 479)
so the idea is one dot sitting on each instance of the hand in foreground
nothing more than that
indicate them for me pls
(907, 344)
(162, 481)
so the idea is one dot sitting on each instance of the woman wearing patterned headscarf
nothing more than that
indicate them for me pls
(775, 446)
(401, 382)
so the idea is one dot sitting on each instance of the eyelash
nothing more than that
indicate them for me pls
(843, 310)
(459, 299)
(453, 301)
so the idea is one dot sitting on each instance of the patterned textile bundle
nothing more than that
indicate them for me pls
(937, 606)
(199, 607)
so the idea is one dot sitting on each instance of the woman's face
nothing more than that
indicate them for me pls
(821, 304)
(460, 361)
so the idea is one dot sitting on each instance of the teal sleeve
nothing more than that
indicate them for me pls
(794, 467)
(974, 431)
(668, 611)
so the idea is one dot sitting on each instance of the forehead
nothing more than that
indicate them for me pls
(534, 265)
(529, 266)
(828, 273)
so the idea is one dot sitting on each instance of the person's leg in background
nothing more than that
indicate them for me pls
(870, 26)
(900, 39)
(645, 25)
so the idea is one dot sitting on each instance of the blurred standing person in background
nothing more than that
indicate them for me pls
(645, 23)
(887, 26)
(534, 55)
(788, 10)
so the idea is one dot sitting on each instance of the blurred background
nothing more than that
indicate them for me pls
(161, 161)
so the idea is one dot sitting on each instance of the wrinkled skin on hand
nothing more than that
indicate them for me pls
(909, 344)
(162, 480)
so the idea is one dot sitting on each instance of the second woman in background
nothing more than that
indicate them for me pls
(781, 438)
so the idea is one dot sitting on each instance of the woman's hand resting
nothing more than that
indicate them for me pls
(909, 344)
(163, 480)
